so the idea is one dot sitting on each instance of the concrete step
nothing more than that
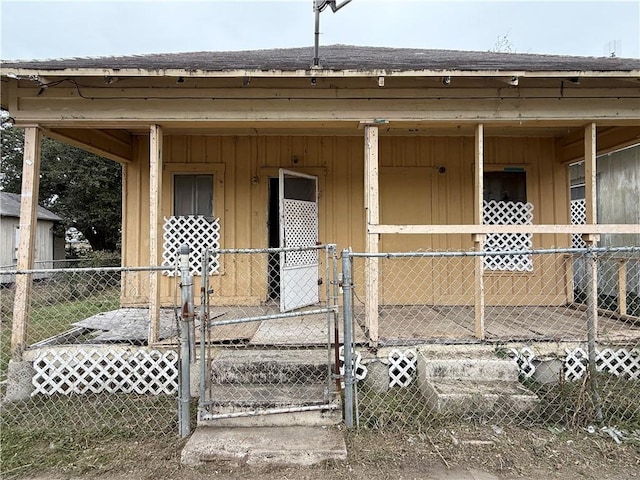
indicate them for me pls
(460, 396)
(269, 367)
(270, 405)
(262, 446)
(482, 368)
(269, 388)
(268, 395)
(329, 414)
(472, 384)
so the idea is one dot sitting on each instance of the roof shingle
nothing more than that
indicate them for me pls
(339, 57)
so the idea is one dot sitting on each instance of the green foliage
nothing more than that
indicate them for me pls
(100, 258)
(56, 304)
(84, 189)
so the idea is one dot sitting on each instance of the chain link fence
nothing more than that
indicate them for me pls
(269, 320)
(267, 317)
(510, 346)
(88, 370)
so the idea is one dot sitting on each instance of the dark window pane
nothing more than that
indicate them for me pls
(505, 186)
(193, 195)
(577, 193)
(298, 188)
(204, 195)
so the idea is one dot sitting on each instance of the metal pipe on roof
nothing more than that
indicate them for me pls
(319, 6)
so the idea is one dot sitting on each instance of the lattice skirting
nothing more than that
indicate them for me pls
(623, 363)
(359, 370)
(402, 367)
(105, 370)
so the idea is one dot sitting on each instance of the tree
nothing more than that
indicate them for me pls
(84, 189)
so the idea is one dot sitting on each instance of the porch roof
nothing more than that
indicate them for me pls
(336, 60)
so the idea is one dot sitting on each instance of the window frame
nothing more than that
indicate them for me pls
(170, 170)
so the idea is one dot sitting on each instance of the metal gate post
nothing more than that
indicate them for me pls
(348, 341)
(186, 319)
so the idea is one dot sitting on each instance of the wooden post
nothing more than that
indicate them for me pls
(622, 286)
(590, 174)
(591, 239)
(478, 239)
(155, 229)
(372, 216)
(26, 246)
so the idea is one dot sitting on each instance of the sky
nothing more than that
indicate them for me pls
(90, 28)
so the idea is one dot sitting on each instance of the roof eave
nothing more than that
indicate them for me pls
(28, 73)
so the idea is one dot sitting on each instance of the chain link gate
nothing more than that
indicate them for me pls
(258, 361)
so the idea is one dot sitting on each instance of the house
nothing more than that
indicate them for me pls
(48, 246)
(397, 150)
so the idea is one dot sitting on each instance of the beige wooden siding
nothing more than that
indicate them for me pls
(412, 191)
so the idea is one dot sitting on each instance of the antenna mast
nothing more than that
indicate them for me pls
(319, 6)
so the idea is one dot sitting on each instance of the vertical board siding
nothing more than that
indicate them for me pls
(412, 191)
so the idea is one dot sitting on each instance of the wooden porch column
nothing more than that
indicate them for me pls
(591, 239)
(372, 216)
(155, 229)
(27, 242)
(622, 286)
(478, 238)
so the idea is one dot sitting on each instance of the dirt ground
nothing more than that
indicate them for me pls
(469, 452)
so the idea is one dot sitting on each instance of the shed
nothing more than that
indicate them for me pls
(47, 247)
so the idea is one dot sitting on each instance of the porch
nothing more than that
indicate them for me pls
(398, 325)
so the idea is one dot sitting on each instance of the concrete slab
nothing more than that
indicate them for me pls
(304, 330)
(260, 446)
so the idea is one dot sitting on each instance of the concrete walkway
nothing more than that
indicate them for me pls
(261, 446)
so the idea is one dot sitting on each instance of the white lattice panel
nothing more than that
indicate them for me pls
(198, 232)
(301, 230)
(524, 361)
(359, 370)
(96, 370)
(508, 213)
(402, 367)
(622, 362)
(578, 217)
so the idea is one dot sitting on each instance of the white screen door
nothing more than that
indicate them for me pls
(298, 228)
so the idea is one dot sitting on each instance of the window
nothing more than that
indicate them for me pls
(193, 195)
(505, 186)
(194, 208)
